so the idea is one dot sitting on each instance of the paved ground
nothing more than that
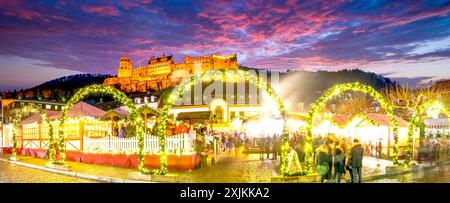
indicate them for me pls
(234, 169)
(11, 173)
(436, 175)
(241, 168)
(230, 168)
(90, 169)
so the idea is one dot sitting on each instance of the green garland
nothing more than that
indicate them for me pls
(19, 116)
(418, 121)
(219, 75)
(117, 96)
(335, 91)
(357, 116)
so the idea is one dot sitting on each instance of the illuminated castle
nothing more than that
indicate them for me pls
(161, 73)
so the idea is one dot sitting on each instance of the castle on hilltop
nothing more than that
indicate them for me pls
(161, 73)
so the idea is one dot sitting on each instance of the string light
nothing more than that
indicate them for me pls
(418, 121)
(33, 108)
(220, 75)
(331, 93)
(118, 96)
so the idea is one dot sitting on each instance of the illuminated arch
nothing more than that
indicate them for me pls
(117, 96)
(219, 75)
(19, 116)
(335, 91)
(417, 120)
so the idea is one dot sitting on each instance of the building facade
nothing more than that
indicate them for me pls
(10, 109)
(161, 73)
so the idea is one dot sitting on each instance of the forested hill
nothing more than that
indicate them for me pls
(307, 86)
(301, 86)
(58, 89)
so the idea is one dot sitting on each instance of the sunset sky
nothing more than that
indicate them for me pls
(43, 40)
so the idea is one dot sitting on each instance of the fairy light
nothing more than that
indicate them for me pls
(335, 91)
(219, 75)
(432, 108)
(33, 108)
(118, 96)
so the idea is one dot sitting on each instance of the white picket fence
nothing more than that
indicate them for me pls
(130, 145)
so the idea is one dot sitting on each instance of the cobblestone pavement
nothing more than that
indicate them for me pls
(435, 175)
(11, 173)
(91, 169)
(234, 169)
(230, 168)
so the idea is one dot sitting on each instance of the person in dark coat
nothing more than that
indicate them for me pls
(339, 168)
(268, 145)
(356, 156)
(262, 143)
(275, 147)
(323, 162)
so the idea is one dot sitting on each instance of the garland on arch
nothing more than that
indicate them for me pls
(210, 75)
(33, 108)
(333, 92)
(418, 121)
(118, 96)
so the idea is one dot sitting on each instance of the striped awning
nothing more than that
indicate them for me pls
(436, 123)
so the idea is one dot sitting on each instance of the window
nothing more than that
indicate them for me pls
(48, 106)
(137, 100)
(30, 131)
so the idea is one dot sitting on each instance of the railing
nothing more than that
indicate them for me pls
(114, 144)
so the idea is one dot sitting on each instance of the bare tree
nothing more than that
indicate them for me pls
(406, 100)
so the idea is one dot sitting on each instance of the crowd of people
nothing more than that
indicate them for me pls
(122, 129)
(269, 145)
(435, 150)
(335, 156)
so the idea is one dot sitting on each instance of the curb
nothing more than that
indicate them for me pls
(73, 174)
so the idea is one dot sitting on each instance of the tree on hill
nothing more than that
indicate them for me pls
(58, 89)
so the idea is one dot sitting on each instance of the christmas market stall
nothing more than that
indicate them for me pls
(97, 137)
(375, 132)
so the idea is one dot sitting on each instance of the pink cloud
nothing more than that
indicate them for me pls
(142, 41)
(128, 4)
(103, 10)
(15, 9)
